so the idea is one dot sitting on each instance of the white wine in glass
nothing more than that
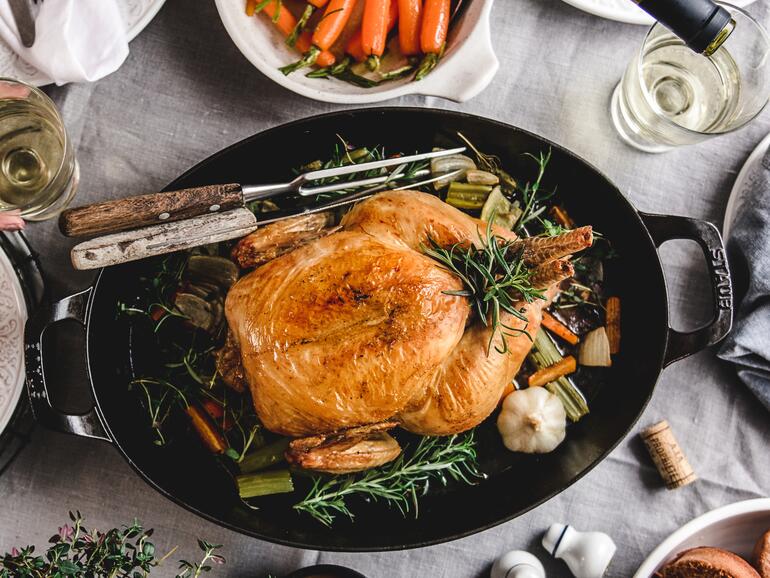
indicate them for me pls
(671, 96)
(38, 172)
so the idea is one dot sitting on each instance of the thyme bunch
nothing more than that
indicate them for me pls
(77, 551)
(400, 483)
(494, 278)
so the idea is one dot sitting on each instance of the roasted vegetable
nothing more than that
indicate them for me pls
(532, 421)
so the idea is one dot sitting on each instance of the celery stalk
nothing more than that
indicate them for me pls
(265, 456)
(544, 354)
(264, 483)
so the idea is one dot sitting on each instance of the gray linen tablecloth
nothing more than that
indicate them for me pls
(185, 92)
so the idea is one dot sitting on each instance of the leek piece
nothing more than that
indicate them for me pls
(497, 206)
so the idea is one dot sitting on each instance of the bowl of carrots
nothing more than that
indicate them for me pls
(362, 51)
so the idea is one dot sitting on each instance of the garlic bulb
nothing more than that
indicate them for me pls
(532, 420)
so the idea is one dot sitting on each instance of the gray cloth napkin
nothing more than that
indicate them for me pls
(748, 249)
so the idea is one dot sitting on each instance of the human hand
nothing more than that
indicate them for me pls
(11, 220)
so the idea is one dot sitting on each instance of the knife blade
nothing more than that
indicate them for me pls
(25, 23)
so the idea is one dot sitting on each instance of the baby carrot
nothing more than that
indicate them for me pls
(211, 437)
(378, 20)
(355, 47)
(333, 22)
(325, 35)
(553, 372)
(409, 23)
(283, 19)
(555, 326)
(251, 7)
(435, 24)
(305, 42)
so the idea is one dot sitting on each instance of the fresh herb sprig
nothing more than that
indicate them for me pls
(77, 551)
(344, 155)
(531, 195)
(400, 483)
(495, 279)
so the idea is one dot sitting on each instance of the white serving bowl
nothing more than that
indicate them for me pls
(467, 67)
(735, 527)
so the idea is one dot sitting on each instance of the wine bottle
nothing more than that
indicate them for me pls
(703, 25)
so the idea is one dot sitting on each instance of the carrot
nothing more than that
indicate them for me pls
(379, 17)
(211, 437)
(355, 47)
(553, 372)
(560, 215)
(305, 43)
(557, 327)
(299, 27)
(213, 408)
(282, 18)
(409, 23)
(613, 323)
(325, 35)
(435, 25)
(251, 7)
(332, 23)
(318, 3)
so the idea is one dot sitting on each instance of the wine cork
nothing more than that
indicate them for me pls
(668, 457)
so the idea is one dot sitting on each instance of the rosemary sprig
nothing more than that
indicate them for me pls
(344, 155)
(495, 279)
(400, 483)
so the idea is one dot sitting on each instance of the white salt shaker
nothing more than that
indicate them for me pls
(517, 564)
(587, 554)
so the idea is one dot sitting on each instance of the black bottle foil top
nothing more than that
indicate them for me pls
(697, 22)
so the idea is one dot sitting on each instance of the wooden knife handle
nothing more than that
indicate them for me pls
(135, 212)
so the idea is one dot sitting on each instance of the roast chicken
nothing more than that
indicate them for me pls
(351, 331)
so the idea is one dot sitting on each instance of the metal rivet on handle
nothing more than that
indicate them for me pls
(214, 208)
(163, 216)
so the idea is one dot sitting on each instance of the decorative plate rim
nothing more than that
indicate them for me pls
(15, 385)
(739, 192)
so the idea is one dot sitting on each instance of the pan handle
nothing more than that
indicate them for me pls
(663, 228)
(88, 424)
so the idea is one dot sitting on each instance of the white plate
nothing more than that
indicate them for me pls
(735, 527)
(13, 314)
(625, 10)
(136, 13)
(742, 189)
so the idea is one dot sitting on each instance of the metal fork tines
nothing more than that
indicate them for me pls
(300, 185)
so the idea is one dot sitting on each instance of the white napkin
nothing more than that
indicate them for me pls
(75, 40)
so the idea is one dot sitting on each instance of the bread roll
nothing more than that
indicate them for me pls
(762, 555)
(706, 562)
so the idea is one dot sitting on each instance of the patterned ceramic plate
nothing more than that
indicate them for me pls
(13, 314)
(625, 10)
(136, 13)
(744, 185)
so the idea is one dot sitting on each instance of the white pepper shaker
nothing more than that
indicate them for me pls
(517, 564)
(587, 554)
